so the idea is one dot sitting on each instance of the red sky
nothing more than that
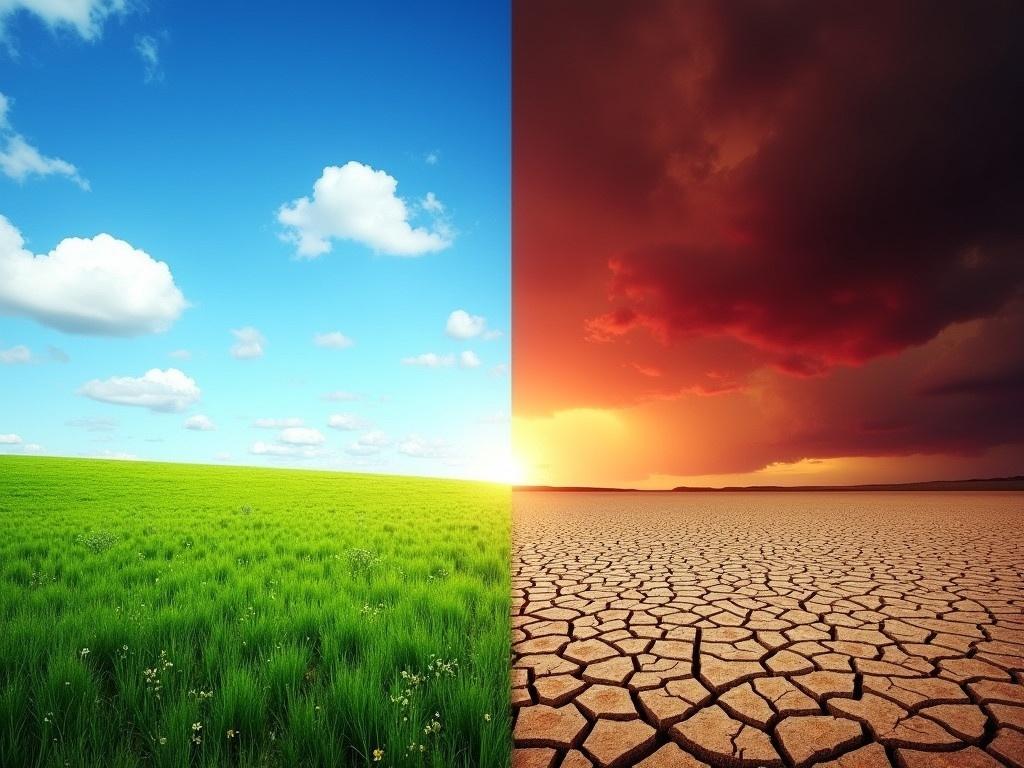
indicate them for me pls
(767, 241)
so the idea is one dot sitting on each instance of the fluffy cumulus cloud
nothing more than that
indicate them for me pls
(357, 203)
(98, 286)
(469, 359)
(20, 160)
(332, 340)
(166, 391)
(462, 325)
(248, 343)
(9, 438)
(346, 421)
(86, 17)
(200, 423)
(430, 360)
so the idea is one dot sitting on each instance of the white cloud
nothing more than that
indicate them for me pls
(432, 158)
(100, 286)
(301, 436)
(148, 48)
(163, 391)
(248, 343)
(332, 340)
(19, 354)
(278, 423)
(271, 449)
(200, 423)
(498, 370)
(16, 355)
(180, 354)
(355, 202)
(462, 325)
(86, 17)
(345, 421)
(10, 439)
(369, 444)
(468, 359)
(341, 396)
(19, 159)
(431, 204)
(430, 360)
(32, 448)
(422, 448)
(260, 448)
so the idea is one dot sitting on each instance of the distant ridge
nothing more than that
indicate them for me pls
(1015, 483)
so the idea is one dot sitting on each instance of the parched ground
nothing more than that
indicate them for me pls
(840, 630)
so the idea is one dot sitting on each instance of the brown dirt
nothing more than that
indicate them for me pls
(753, 630)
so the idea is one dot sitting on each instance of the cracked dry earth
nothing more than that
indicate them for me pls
(839, 630)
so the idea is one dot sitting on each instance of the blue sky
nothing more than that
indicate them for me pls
(193, 134)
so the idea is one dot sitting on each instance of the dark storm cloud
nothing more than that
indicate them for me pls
(827, 182)
(757, 232)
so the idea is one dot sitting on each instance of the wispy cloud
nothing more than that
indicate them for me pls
(430, 360)
(148, 48)
(17, 355)
(200, 423)
(248, 343)
(332, 340)
(265, 423)
(20, 160)
(346, 421)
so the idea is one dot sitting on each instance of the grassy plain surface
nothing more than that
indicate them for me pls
(179, 615)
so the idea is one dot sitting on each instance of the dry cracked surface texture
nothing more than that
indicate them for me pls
(838, 630)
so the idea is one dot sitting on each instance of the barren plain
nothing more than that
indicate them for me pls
(829, 629)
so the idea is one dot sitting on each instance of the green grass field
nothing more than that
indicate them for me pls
(178, 615)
